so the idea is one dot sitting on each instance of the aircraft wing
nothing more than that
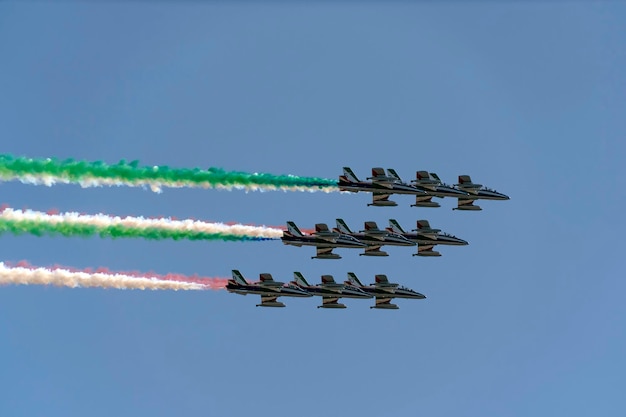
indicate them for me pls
(322, 232)
(374, 250)
(379, 178)
(270, 301)
(425, 201)
(331, 302)
(372, 230)
(426, 250)
(467, 204)
(381, 197)
(385, 302)
(326, 253)
(267, 282)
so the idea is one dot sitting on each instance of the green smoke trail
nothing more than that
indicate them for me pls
(131, 173)
(37, 228)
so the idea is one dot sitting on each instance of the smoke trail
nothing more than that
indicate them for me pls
(74, 224)
(58, 276)
(51, 171)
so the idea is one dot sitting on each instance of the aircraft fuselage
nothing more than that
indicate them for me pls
(441, 239)
(485, 194)
(343, 241)
(282, 291)
(391, 239)
(396, 293)
(339, 291)
(442, 191)
(252, 289)
(391, 188)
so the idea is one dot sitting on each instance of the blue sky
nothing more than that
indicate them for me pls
(527, 97)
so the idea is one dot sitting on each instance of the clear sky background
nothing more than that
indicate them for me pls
(526, 96)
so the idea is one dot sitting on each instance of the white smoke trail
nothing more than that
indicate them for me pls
(155, 185)
(65, 278)
(141, 223)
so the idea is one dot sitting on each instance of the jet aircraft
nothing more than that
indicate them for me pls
(426, 237)
(432, 186)
(373, 237)
(381, 185)
(323, 239)
(384, 291)
(329, 290)
(475, 192)
(267, 288)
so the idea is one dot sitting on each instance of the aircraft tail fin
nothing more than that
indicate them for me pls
(299, 279)
(343, 227)
(353, 280)
(392, 173)
(435, 177)
(238, 278)
(395, 226)
(293, 229)
(347, 172)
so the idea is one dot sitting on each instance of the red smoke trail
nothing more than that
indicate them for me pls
(212, 283)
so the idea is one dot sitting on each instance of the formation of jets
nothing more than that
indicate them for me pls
(371, 239)
(331, 291)
(382, 184)
(426, 186)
